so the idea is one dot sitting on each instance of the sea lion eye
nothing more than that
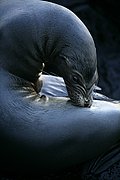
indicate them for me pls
(75, 79)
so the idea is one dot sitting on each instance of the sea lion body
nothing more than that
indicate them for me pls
(37, 135)
(34, 33)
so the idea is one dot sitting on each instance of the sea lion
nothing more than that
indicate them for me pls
(37, 33)
(39, 136)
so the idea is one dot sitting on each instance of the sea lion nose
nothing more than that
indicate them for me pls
(87, 102)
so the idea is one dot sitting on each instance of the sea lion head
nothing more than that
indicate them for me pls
(80, 78)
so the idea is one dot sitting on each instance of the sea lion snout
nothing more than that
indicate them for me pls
(78, 99)
(82, 102)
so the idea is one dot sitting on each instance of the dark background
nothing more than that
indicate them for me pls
(102, 18)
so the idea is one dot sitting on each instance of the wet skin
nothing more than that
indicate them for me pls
(39, 136)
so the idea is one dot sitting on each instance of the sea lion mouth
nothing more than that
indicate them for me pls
(81, 102)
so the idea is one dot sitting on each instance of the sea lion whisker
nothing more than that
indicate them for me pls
(83, 91)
